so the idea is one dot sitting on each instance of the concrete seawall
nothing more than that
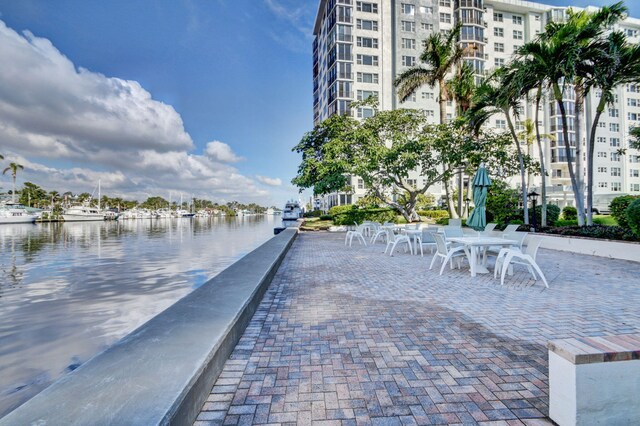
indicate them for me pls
(162, 372)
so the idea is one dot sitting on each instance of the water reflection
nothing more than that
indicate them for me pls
(68, 291)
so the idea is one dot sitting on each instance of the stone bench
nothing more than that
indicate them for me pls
(595, 380)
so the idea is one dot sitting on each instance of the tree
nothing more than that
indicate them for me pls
(13, 167)
(634, 133)
(500, 94)
(616, 62)
(441, 55)
(383, 149)
(32, 195)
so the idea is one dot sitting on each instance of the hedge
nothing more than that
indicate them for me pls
(633, 216)
(595, 231)
(434, 214)
(313, 213)
(618, 208)
(569, 213)
(347, 215)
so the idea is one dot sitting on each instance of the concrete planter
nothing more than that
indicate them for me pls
(595, 247)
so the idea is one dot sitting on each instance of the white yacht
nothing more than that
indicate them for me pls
(292, 211)
(82, 214)
(184, 213)
(16, 213)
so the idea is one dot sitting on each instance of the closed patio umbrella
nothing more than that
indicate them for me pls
(481, 182)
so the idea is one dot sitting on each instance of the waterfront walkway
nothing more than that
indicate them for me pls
(350, 336)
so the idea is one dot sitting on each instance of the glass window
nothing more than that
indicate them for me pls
(408, 43)
(445, 3)
(445, 17)
(426, 10)
(602, 170)
(517, 35)
(366, 7)
(408, 61)
(363, 24)
(634, 173)
(616, 186)
(365, 77)
(426, 26)
(615, 156)
(602, 154)
(367, 60)
(365, 112)
(497, 17)
(634, 187)
(517, 20)
(428, 95)
(367, 42)
(498, 62)
(613, 112)
(409, 26)
(498, 32)
(501, 124)
(366, 94)
(632, 102)
(614, 127)
(498, 47)
(408, 9)
(615, 171)
(614, 142)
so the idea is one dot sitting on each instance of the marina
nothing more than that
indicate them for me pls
(70, 290)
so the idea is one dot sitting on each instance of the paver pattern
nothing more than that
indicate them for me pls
(347, 335)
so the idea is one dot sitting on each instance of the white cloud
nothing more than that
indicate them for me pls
(70, 127)
(269, 181)
(220, 151)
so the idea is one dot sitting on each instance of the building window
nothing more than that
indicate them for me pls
(426, 10)
(428, 95)
(517, 20)
(557, 173)
(633, 116)
(517, 35)
(364, 24)
(445, 3)
(634, 173)
(365, 77)
(360, 184)
(427, 27)
(408, 61)
(365, 112)
(536, 17)
(501, 124)
(498, 47)
(429, 113)
(602, 184)
(602, 124)
(601, 139)
(408, 43)
(616, 186)
(634, 158)
(366, 94)
(445, 17)
(366, 7)
(615, 171)
(602, 170)
(367, 42)
(499, 62)
(602, 154)
(408, 9)
(633, 88)
(498, 32)
(632, 102)
(367, 60)
(613, 112)
(409, 26)
(498, 17)
(615, 156)
(614, 127)
(634, 187)
(614, 142)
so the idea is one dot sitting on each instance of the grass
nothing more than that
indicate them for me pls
(315, 224)
(597, 219)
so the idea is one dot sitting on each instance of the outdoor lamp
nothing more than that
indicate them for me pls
(467, 200)
(533, 195)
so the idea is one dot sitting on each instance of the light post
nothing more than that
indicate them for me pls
(467, 200)
(533, 195)
(461, 169)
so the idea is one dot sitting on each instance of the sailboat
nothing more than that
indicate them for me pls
(84, 212)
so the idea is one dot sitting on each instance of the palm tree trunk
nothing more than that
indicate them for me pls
(13, 193)
(557, 93)
(442, 103)
(590, 149)
(523, 177)
(579, 89)
(543, 172)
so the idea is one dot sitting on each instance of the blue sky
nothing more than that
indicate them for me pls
(193, 96)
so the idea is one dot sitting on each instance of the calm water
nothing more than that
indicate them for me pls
(68, 291)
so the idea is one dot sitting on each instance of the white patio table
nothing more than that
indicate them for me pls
(474, 244)
(415, 235)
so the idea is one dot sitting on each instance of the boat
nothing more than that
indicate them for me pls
(16, 213)
(184, 213)
(291, 211)
(82, 213)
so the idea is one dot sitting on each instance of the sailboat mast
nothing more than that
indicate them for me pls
(98, 194)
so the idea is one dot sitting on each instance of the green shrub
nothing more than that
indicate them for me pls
(349, 216)
(502, 203)
(569, 213)
(633, 216)
(445, 221)
(618, 208)
(433, 214)
(313, 213)
(574, 222)
(326, 217)
(553, 213)
(595, 231)
(336, 210)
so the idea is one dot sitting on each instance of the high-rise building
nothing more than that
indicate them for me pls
(361, 46)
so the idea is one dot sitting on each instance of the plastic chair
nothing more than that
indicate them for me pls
(511, 256)
(495, 250)
(393, 240)
(511, 228)
(428, 240)
(447, 254)
(455, 222)
(359, 233)
(488, 229)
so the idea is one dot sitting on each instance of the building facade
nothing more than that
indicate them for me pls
(361, 46)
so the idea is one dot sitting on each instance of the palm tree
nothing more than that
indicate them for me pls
(500, 94)
(634, 133)
(616, 62)
(55, 195)
(441, 55)
(14, 167)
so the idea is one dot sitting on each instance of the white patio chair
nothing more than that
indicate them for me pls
(516, 236)
(428, 240)
(511, 228)
(393, 240)
(453, 231)
(447, 254)
(380, 232)
(455, 222)
(511, 256)
(488, 229)
(358, 233)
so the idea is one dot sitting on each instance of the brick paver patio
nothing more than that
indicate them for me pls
(349, 336)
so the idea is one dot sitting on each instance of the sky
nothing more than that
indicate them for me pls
(192, 97)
